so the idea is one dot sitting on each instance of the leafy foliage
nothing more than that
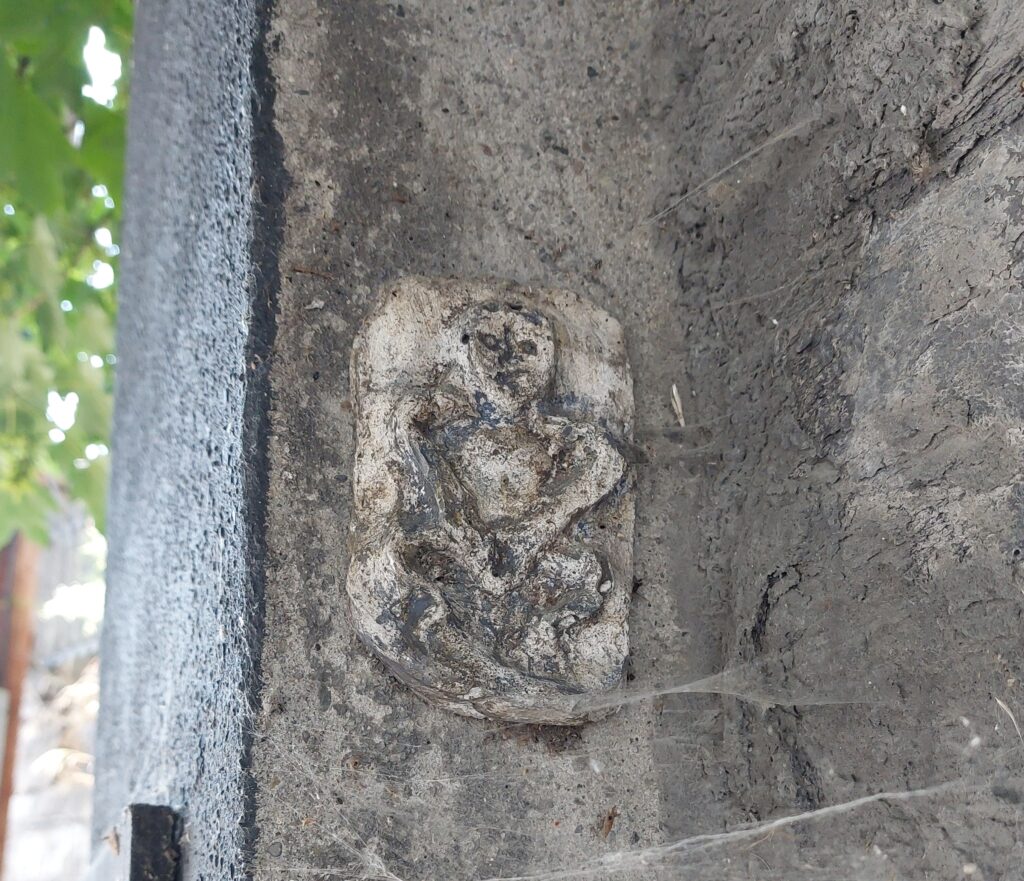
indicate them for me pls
(60, 190)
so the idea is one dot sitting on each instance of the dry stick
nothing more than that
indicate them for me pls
(302, 271)
(750, 154)
(677, 406)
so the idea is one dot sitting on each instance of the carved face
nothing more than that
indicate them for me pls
(512, 351)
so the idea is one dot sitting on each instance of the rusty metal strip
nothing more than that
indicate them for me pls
(17, 591)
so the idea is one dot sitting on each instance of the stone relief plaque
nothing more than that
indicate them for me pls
(491, 565)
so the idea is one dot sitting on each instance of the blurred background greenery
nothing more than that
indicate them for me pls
(63, 96)
(63, 88)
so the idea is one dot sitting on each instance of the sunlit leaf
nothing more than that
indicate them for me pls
(26, 511)
(56, 331)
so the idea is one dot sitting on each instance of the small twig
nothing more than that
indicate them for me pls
(609, 821)
(1013, 718)
(312, 272)
(677, 406)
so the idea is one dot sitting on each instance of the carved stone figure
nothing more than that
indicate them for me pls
(491, 565)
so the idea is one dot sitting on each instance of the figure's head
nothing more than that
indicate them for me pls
(511, 349)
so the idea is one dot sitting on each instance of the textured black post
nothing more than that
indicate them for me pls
(152, 849)
(143, 846)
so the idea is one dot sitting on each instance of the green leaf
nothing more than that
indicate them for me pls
(25, 373)
(48, 249)
(34, 151)
(102, 151)
(26, 511)
(43, 263)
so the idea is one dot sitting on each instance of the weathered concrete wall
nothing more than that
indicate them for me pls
(434, 140)
(805, 216)
(840, 512)
(851, 311)
(182, 614)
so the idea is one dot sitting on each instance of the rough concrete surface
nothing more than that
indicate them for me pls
(182, 611)
(806, 215)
